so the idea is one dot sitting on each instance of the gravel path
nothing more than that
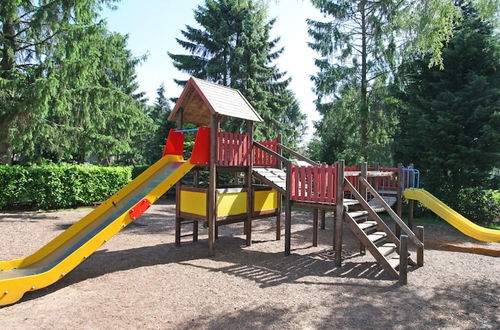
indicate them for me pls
(139, 279)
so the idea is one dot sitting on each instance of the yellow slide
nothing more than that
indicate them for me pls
(61, 255)
(454, 218)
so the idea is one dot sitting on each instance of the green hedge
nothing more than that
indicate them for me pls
(59, 186)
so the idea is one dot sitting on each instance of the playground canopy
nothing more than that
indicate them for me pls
(200, 99)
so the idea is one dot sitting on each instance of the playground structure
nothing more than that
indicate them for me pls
(262, 178)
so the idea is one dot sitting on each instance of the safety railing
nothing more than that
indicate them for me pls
(314, 183)
(263, 158)
(411, 178)
(232, 149)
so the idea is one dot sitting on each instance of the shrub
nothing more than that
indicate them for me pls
(59, 186)
(479, 205)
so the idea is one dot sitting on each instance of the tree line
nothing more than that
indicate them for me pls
(412, 81)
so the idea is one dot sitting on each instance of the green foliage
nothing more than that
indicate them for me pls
(233, 48)
(158, 113)
(68, 93)
(59, 186)
(479, 205)
(450, 124)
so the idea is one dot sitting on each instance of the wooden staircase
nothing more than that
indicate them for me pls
(390, 251)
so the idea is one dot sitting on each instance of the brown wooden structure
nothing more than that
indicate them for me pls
(354, 194)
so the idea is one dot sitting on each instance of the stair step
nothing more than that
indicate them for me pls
(357, 214)
(394, 260)
(367, 225)
(387, 249)
(377, 237)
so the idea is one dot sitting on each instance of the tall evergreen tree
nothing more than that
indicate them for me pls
(234, 48)
(29, 31)
(450, 122)
(91, 107)
(159, 113)
(360, 44)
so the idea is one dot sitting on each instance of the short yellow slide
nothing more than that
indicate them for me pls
(61, 255)
(454, 218)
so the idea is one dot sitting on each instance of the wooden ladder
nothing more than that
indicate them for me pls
(390, 251)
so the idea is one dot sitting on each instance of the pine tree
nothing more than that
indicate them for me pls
(450, 124)
(159, 114)
(91, 104)
(29, 31)
(234, 48)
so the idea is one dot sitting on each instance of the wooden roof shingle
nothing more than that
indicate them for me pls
(201, 98)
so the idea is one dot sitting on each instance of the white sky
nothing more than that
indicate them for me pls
(153, 25)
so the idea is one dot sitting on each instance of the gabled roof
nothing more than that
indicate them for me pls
(201, 98)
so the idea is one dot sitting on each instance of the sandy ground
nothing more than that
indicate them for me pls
(139, 279)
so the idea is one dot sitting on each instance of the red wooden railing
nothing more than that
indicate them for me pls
(352, 179)
(232, 149)
(388, 182)
(314, 184)
(262, 158)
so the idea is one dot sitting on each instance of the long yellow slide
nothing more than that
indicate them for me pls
(61, 255)
(454, 218)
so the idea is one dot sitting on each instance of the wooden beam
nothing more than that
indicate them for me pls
(420, 250)
(178, 187)
(288, 208)
(403, 260)
(393, 214)
(399, 198)
(212, 202)
(339, 213)
(296, 154)
(322, 216)
(315, 228)
(248, 222)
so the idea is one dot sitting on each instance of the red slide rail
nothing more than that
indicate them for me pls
(314, 184)
(232, 149)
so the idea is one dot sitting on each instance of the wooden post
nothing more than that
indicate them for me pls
(195, 231)
(178, 186)
(212, 202)
(248, 222)
(376, 167)
(420, 250)
(411, 202)
(362, 190)
(399, 200)
(288, 209)
(322, 219)
(339, 213)
(279, 196)
(403, 260)
(315, 227)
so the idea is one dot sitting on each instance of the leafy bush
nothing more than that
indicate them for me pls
(479, 205)
(59, 186)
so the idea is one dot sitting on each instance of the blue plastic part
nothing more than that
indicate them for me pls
(411, 178)
(187, 130)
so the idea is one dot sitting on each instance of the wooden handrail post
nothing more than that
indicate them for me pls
(212, 182)
(315, 227)
(339, 213)
(420, 249)
(288, 208)
(248, 222)
(399, 198)
(178, 229)
(403, 260)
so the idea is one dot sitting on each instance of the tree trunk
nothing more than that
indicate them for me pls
(364, 111)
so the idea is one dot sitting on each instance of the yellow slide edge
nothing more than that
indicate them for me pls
(454, 218)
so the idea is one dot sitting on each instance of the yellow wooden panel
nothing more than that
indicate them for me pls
(265, 200)
(231, 203)
(194, 202)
